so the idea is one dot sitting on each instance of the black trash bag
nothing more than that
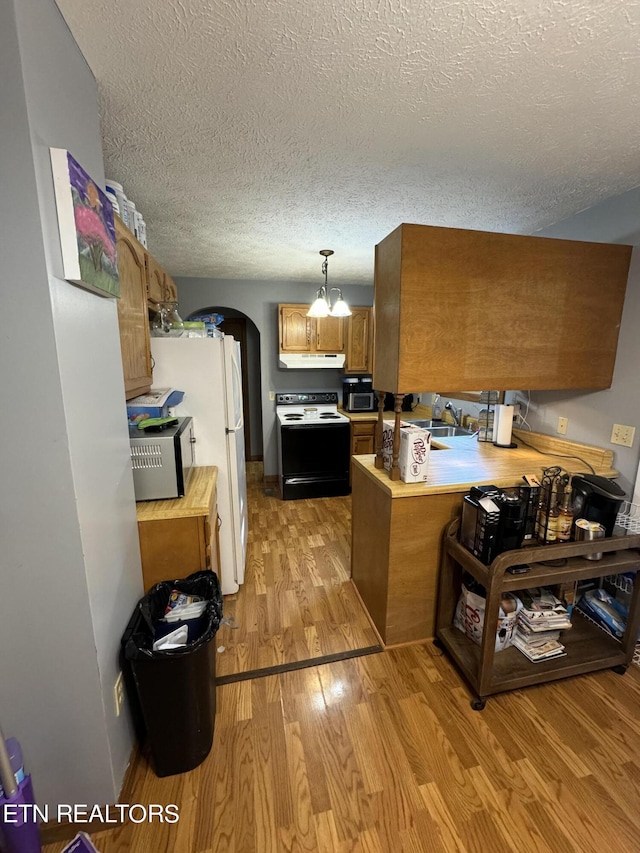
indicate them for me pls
(171, 693)
(152, 607)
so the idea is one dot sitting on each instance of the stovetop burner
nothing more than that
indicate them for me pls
(309, 407)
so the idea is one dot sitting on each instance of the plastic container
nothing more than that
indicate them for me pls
(194, 329)
(131, 209)
(142, 407)
(122, 200)
(172, 693)
(113, 198)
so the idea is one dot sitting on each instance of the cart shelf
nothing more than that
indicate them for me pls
(588, 648)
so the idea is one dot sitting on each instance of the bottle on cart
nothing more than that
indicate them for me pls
(552, 523)
(565, 517)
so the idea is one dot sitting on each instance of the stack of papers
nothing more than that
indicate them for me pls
(542, 618)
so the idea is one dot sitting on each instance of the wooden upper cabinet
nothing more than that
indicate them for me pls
(329, 334)
(132, 313)
(170, 289)
(156, 277)
(359, 354)
(299, 333)
(295, 328)
(478, 310)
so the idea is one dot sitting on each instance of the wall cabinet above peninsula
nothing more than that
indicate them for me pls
(471, 309)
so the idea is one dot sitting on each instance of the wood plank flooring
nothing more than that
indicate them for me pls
(383, 754)
(297, 602)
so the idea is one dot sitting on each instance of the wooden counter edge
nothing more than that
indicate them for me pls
(196, 502)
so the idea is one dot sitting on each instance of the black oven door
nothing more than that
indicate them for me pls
(315, 460)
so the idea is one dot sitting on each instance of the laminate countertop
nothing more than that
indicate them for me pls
(196, 502)
(457, 463)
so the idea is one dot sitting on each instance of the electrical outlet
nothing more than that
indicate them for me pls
(624, 435)
(118, 694)
(563, 423)
(272, 396)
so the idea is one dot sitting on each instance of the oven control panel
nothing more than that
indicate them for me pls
(291, 399)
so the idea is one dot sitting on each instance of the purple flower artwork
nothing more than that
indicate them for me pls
(85, 223)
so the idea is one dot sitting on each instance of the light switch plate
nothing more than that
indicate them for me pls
(623, 435)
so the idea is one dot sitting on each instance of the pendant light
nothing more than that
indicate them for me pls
(322, 306)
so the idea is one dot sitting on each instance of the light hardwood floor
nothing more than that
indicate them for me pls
(383, 753)
(297, 601)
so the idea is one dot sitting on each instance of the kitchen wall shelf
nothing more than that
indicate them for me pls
(588, 648)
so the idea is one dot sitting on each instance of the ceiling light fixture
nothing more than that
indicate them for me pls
(322, 306)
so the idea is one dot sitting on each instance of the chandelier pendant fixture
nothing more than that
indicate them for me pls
(322, 306)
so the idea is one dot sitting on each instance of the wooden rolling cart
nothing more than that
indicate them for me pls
(588, 648)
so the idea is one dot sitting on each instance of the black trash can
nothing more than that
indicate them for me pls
(172, 693)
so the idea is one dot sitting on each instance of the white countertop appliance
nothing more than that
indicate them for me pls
(208, 370)
(313, 445)
(162, 460)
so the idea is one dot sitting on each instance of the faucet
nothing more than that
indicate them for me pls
(456, 414)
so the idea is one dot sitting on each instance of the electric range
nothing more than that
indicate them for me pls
(313, 445)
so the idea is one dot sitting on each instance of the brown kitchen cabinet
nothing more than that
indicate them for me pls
(180, 536)
(162, 288)
(132, 313)
(464, 309)
(143, 284)
(359, 350)
(299, 333)
(156, 279)
(588, 648)
(363, 435)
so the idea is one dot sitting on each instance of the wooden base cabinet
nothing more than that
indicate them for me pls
(363, 436)
(588, 648)
(180, 536)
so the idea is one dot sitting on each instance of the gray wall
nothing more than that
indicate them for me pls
(70, 557)
(259, 301)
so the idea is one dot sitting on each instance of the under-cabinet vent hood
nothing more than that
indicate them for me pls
(311, 360)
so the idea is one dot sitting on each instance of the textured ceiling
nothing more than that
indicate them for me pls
(253, 133)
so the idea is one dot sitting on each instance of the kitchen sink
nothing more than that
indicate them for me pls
(438, 429)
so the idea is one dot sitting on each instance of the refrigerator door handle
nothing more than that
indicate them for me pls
(236, 369)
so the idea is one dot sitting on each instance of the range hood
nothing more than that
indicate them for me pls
(311, 360)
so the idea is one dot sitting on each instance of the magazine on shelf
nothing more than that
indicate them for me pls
(551, 649)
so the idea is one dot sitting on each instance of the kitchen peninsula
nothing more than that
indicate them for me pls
(397, 528)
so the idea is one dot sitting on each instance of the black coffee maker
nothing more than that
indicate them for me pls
(596, 499)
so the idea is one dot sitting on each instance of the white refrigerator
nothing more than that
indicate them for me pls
(209, 371)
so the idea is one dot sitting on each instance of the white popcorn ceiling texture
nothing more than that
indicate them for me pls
(253, 133)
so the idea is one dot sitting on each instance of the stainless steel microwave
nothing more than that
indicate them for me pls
(162, 462)
(360, 401)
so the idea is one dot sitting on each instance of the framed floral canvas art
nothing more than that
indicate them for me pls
(85, 224)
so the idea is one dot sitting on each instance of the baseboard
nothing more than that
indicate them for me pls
(270, 478)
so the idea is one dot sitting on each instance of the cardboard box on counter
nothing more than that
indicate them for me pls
(415, 446)
(388, 428)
